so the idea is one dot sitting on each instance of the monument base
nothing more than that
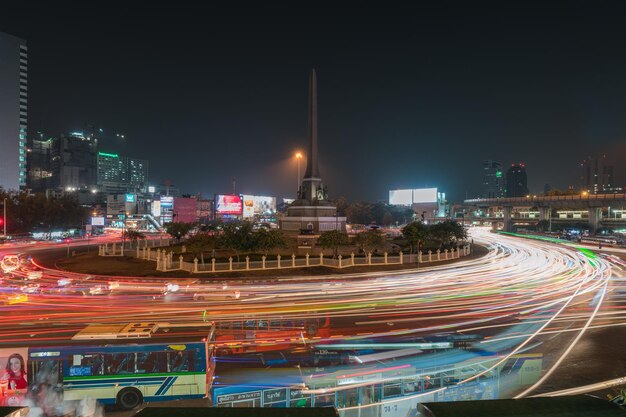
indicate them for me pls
(311, 225)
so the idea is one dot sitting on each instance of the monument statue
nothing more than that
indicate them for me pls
(312, 212)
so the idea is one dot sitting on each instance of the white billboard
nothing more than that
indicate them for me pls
(255, 205)
(248, 206)
(401, 197)
(424, 195)
(156, 208)
(264, 205)
(97, 221)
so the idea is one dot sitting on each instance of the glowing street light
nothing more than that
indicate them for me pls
(298, 158)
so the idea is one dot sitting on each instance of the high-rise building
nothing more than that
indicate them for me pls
(112, 173)
(73, 160)
(608, 182)
(137, 171)
(120, 174)
(516, 181)
(493, 179)
(13, 111)
(596, 175)
(39, 172)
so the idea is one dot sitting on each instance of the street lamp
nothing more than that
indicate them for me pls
(298, 158)
(4, 217)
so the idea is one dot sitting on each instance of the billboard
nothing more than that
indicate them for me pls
(264, 205)
(401, 197)
(256, 205)
(167, 208)
(228, 204)
(97, 221)
(424, 195)
(13, 384)
(248, 206)
(156, 208)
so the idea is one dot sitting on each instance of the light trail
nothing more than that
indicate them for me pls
(519, 282)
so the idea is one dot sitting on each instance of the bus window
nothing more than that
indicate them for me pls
(348, 398)
(86, 365)
(392, 389)
(180, 361)
(151, 362)
(297, 399)
(275, 324)
(411, 386)
(119, 363)
(263, 325)
(46, 372)
(325, 400)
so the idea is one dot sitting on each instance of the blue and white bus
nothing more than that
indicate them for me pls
(121, 372)
(384, 389)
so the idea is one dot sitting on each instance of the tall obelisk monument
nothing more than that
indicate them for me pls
(312, 182)
(312, 212)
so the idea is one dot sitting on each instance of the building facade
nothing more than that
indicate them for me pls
(13, 111)
(493, 180)
(39, 172)
(120, 174)
(597, 176)
(516, 181)
(74, 162)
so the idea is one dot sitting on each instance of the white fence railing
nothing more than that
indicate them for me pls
(165, 260)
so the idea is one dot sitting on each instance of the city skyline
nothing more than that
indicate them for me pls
(240, 108)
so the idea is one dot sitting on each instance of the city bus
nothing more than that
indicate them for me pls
(250, 335)
(130, 366)
(388, 388)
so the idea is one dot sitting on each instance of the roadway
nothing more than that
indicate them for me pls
(523, 295)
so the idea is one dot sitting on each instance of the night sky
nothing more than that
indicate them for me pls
(407, 97)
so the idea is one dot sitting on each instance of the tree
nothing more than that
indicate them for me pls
(266, 240)
(333, 239)
(370, 240)
(132, 236)
(341, 204)
(359, 213)
(27, 212)
(201, 242)
(445, 232)
(415, 233)
(237, 236)
(178, 230)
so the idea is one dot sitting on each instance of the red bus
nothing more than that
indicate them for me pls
(267, 334)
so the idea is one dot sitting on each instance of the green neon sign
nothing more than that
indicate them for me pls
(112, 155)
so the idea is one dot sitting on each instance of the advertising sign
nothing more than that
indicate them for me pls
(401, 197)
(425, 195)
(13, 378)
(167, 209)
(228, 204)
(156, 208)
(264, 205)
(248, 206)
(130, 198)
(97, 221)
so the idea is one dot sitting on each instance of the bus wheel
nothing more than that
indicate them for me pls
(129, 398)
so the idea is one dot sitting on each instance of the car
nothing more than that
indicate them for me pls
(227, 295)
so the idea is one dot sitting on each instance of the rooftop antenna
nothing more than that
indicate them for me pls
(234, 186)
